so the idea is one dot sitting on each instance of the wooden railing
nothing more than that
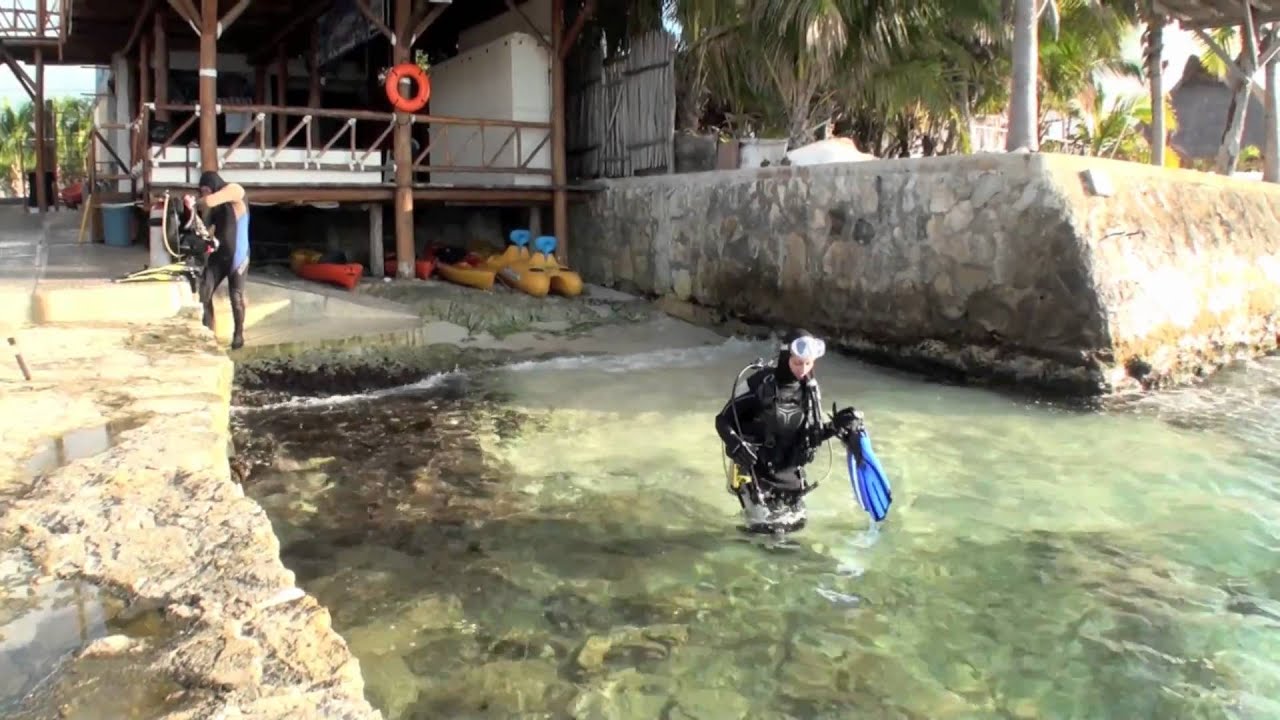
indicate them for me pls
(47, 22)
(113, 168)
(356, 126)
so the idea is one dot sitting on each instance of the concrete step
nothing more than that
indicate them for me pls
(107, 302)
(15, 307)
(309, 300)
(287, 337)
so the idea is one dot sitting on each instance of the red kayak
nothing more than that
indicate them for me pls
(345, 275)
(422, 268)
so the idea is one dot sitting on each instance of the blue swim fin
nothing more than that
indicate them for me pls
(869, 482)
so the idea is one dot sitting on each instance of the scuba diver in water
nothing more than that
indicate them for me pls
(773, 429)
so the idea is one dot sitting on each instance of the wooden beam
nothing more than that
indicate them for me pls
(145, 76)
(363, 7)
(312, 14)
(42, 197)
(187, 11)
(501, 197)
(1271, 124)
(1251, 36)
(260, 98)
(313, 67)
(1271, 44)
(23, 78)
(138, 23)
(585, 13)
(1229, 150)
(559, 176)
(1233, 68)
(533, 28)
(208, 72)
(403, 153)
(232, 15)
(282, 86)
(430, 14)
(161, 64)
(376, 254)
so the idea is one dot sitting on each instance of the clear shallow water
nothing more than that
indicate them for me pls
(554, 540)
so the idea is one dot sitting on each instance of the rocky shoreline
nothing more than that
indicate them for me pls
(197, 615)
(153, 520)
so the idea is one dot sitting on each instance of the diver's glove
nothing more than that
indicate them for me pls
(847, 422)
(741, 452)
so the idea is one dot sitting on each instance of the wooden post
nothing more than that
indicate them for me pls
(313, 65)
(42, 197)
(376, 254)
(282, 84)
(209, 85)
(405, 259)
(1155, 49)
(145, 76)
(1271, 123)
(559, 176)
(260, 97)
(535, 224)
(161, 63)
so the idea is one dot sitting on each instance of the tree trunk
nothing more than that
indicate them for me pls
(1022, 101)
(1271, 152)
(1237, 112)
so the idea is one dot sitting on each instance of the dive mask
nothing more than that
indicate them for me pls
(807, 348)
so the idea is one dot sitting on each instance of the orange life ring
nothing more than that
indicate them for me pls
(419, 78)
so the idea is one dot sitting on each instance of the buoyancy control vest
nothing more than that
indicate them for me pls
(788, 422)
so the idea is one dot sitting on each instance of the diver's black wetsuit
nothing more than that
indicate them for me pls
(780, 420)
(230, 261)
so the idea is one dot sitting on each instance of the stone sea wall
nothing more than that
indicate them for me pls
(125, 430)
(1061, 273)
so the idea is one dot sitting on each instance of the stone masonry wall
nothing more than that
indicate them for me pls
(999, 266)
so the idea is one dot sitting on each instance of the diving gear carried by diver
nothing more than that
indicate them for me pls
(773, 429)
(870, 483)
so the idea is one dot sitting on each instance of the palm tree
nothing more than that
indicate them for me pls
(75, 124)
(1112, 126)
(895, 73)
(1022, 101)
(15, 136)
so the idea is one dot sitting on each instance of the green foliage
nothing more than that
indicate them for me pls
(73, 124)
(894, 74)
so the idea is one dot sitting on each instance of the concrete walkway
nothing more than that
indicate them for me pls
(48, 277)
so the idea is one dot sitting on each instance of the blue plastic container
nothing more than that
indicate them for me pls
(117, 225)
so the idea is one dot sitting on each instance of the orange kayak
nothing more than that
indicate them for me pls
(345, 275)
(422, 268)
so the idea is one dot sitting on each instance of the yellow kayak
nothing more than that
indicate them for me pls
(564, 281)
(476, 277)
(519, 272)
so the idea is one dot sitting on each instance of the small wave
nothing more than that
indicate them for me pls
(665, 358)
(427, 383)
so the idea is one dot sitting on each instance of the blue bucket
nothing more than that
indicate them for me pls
(117, 224)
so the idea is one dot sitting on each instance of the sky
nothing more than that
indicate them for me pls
(59, 80)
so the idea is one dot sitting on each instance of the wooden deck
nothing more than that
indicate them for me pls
(245, 118)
